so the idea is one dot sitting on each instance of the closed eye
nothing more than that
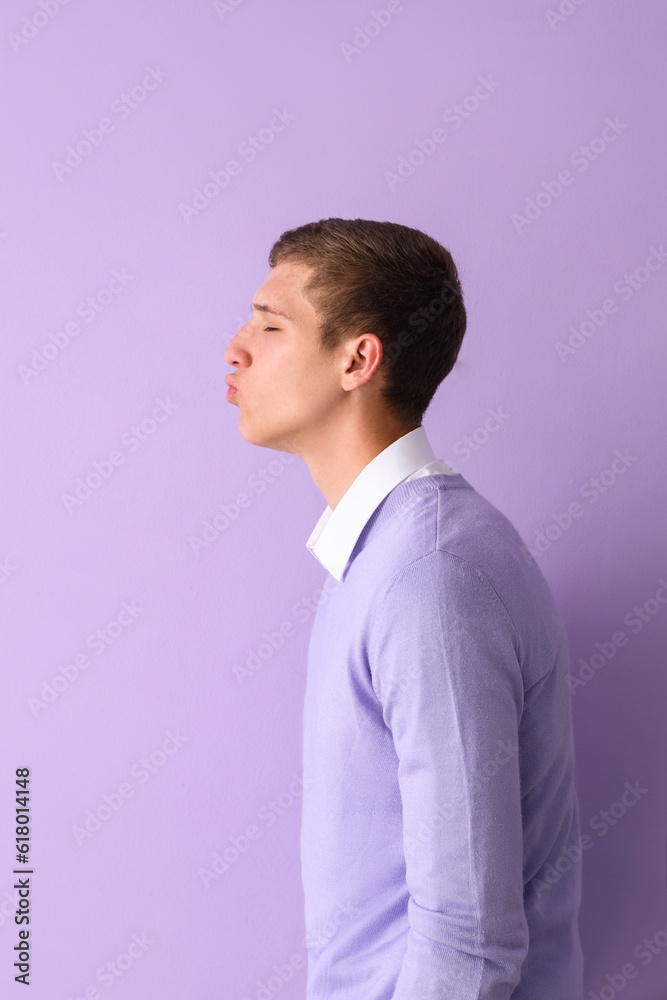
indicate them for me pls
(267, 328)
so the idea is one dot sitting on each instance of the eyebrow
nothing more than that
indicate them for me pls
(261, 307)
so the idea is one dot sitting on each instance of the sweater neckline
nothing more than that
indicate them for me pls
(400, 496)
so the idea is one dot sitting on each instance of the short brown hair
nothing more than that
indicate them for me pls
(390, 280)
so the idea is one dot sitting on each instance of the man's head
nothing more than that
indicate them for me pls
(374, 320)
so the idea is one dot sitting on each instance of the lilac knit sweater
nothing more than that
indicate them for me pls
(440, 841)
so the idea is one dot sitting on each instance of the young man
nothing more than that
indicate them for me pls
(440, 841)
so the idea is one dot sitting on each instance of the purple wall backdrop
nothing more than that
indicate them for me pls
(154, 628)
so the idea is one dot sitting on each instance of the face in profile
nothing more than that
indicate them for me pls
(284, 385)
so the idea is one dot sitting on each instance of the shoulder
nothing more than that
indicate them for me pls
(448, 584)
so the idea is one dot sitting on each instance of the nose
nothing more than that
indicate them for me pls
(236, 352)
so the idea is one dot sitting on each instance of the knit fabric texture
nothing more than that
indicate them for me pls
(440, 842)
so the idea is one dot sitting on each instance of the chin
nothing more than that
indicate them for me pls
(246, 431)
(262, 437)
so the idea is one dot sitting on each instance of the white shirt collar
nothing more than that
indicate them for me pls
(335, 534)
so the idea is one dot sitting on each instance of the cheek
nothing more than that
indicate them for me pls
(295, 382)
(315, 385)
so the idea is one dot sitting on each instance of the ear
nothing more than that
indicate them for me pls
(361, 359)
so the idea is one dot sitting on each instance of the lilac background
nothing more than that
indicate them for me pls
(163, 336)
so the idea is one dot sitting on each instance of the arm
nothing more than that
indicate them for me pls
(444, 665)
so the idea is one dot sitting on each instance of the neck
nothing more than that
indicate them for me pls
(341, 451)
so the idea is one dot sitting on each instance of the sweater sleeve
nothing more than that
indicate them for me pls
(444, 660)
